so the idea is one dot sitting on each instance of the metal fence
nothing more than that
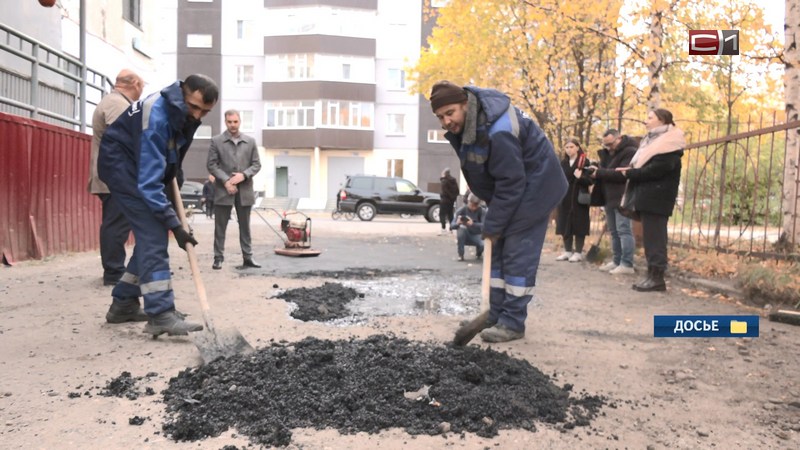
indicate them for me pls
(43, 83)
(732, 188)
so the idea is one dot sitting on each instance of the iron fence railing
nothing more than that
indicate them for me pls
(731, 197)
(44, 83)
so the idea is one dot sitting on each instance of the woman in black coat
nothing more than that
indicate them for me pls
(572, 222)
(653, 179)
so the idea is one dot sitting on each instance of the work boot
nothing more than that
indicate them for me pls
(654, 283)
(501, 333)
(217, 264)
(125, 310)
(460, 257)
(170, 322)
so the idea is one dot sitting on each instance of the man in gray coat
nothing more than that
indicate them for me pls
(233, 161)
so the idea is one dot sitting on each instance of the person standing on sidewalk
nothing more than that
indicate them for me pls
(573, 223)
(510, 164)
(449, 194)
(140, 156)
(617, 152)
(114, 228)
(654, 178)
(233, 161)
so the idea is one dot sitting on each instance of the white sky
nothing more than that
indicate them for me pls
(774, 11)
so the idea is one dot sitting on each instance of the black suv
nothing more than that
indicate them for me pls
(368, 195)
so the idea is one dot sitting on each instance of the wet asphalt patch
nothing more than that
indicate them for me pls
(368, 385)
(353, 300)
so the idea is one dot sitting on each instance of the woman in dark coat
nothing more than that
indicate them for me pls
(653, 179)
(572, 222)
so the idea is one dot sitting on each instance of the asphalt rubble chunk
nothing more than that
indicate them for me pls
(368, 385)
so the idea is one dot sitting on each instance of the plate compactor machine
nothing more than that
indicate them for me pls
(296, 228)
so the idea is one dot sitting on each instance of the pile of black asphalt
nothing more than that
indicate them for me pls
(368, 385)
(322, 303)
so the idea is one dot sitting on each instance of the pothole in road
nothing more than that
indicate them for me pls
(354, 300)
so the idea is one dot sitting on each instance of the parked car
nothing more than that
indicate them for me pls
(192, 194)
(368, 195)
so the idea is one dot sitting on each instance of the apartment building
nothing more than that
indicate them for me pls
(320, 85)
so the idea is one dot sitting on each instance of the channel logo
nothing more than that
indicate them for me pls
(713, 42)
(705, 326)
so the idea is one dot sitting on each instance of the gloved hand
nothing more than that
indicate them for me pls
(182, 237)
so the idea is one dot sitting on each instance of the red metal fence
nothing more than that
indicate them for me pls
(45, 208)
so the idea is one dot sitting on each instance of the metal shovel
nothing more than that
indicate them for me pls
(211, 342)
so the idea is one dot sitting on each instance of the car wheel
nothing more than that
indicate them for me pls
(433, 214)
(366, 212)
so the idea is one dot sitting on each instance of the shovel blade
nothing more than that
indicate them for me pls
(470, 330)
(220, 343)
(593, 254)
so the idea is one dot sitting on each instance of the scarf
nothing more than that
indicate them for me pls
(660, 140)
(470, 132)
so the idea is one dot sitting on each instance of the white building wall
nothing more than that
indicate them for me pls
(397, 47)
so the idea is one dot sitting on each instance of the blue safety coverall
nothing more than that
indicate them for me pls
(140, 154)
(511, 165)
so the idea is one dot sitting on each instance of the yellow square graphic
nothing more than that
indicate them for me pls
(738, 327)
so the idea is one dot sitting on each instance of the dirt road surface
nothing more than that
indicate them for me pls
(585, 328)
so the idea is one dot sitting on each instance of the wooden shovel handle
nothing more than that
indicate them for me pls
(198, 282)
(486, 276)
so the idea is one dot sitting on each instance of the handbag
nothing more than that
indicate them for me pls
(584, 197)
(627, 206)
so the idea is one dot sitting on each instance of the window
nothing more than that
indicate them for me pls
(437, 136)
(298, 67)
(132, 11)
(397, 79)
(385, 184)
(346, 114)
(361, 182)
(203, 132)
(290, 114)
(244, 29)
(345, 71)
(246, 118)
(403, 185)
(396, 124)
(199, 41)
(244, 74)
(394, 168)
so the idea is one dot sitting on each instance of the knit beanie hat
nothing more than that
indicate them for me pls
(446, 93)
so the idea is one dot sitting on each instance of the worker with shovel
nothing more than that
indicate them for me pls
(140, 154)
(509, 163)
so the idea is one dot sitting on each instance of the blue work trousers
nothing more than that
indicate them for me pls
(515, 261)
(147, 273)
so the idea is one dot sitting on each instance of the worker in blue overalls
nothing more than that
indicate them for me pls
(510, 164)
(140, 154)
